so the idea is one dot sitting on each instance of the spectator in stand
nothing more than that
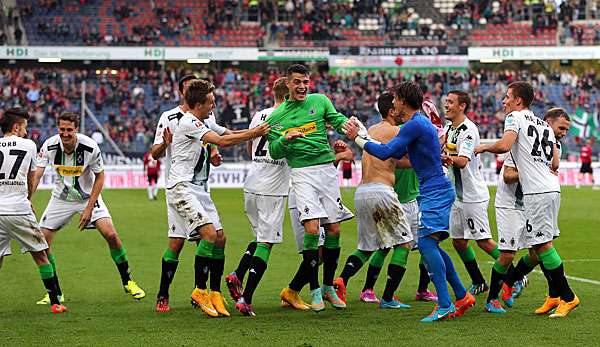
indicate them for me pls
(586, 172)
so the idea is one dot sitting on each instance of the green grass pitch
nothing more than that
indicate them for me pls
(102, 314)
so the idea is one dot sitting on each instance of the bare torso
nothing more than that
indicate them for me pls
(373, 169)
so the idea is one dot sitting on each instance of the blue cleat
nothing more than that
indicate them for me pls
(509, 302)
(494, 306)
(439, 314)
(392, 304)
(519, 286)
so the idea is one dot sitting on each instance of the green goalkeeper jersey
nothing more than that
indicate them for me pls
(309, 117)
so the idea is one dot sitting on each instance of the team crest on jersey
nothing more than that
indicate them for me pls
(71, 171)
(303, 129)
(277, 126)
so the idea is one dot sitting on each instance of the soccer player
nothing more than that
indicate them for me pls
(79, 165)
(407, 189)
(152, 167)
(189, 137)
(382, 223)
(469, 217)
(178, 232)
(299, 134)
(265, 191)
(586, 163)
(560, 122)
(419, 140)
(17, 220)
(535, 154)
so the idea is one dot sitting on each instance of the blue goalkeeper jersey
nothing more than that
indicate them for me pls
(418, 138)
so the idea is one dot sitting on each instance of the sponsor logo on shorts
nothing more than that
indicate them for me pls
(303, 129)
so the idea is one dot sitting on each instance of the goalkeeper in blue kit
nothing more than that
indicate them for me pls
(419, 139)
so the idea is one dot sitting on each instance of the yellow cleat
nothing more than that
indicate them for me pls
(218, 302)
(549, 305)
(293, 298)
(46, 300)
(132, 288)
(564, 308)
(202, 299)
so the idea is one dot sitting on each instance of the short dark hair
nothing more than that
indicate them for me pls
(184, 79)
(297, 68)
(410, 92)
(279, 88)
(11, 117)
(523, 90)
(385, 102)
(70, 117)
(556, 113)
(197, 92)
(463, 98)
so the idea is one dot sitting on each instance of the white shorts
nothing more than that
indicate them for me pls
(187, 209)
(541, 211)
(511, 229)
(318, 194)
(380, 218)
(25, 230)
(411, 211)
(298, 230)
(178, 227)
(4, 245)
(265, 214)
(58, 213)
(469, 221)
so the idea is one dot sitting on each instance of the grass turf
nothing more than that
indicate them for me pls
(102, 314)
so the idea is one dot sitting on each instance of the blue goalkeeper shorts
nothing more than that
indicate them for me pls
(435, 206)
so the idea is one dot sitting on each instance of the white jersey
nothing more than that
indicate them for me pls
(187, 150)
(508, 195)
(170, 119)
(17, 159)
(533, 152)
(77, 170)
(468, 182)
(266, 176)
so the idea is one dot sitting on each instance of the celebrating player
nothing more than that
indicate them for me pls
(299, 134)
(419, 139)
(265, 192)
(177, 232)
(469, 217)
(152, 168)
(189, 137)
(17, 220)
(78, 163)
(533, 146)
(407, 189)
(515, 225)
(382, 223)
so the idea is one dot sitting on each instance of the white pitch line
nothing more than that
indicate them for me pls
(578, 279)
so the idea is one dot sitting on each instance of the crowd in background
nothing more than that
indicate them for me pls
(128, 102)
(288, 20)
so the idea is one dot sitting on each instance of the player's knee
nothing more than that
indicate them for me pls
(506, 258)
(40, 257)
(221, 239)
(176, 244)
(459, 244)
(332, 229)
(487, 245)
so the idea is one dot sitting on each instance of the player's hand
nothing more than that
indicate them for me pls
(293, 135)
(261, 130)
(339, 146)
(347, 155)
(85, 217)
(555, 173)
(351, 129)
(167, 136)
(447, 160)
(216, 159)
(480, 149)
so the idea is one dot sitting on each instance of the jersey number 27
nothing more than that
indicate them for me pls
(16, 166)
